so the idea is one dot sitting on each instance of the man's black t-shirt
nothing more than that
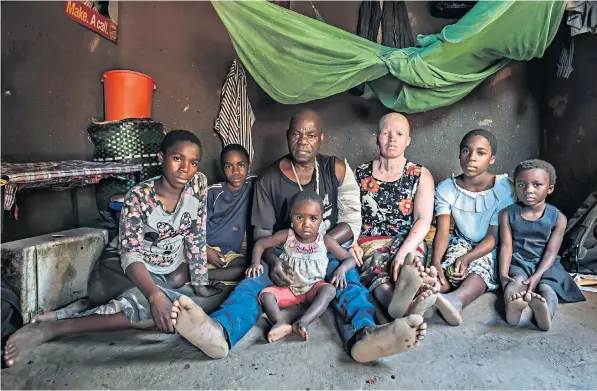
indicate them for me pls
(274, 191)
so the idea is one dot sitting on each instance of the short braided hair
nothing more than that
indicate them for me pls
(537, 163)
(233, 148)
(306, 195)
(486, 134)
(176, 136)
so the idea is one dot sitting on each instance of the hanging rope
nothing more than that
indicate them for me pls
(317, 14)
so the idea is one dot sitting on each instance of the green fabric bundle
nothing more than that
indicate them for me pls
(296, 59)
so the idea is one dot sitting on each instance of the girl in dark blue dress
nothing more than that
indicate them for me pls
(531, 233)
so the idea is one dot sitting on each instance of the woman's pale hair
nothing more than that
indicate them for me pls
(392, 117)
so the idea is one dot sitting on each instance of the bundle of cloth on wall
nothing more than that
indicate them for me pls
(235, 118)
(451, 9)
(582, 18)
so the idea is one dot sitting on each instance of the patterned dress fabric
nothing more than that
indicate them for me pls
(308, 260)
(473, 214)
(387, 215)
(163, 240)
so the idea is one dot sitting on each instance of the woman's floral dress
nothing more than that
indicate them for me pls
(387, 217)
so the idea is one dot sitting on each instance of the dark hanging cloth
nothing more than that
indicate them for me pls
(566, 56)
(451, 9)
(395, 26)
(384, 22)
(582, 18)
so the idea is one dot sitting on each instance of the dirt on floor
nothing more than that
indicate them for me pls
(484, 352)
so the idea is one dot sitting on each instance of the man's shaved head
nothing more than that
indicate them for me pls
(306, 116)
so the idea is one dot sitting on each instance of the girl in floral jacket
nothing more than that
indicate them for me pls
(161, 246)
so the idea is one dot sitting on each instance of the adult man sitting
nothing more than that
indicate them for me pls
(303, 168)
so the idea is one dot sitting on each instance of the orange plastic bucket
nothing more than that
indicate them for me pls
(127, 94)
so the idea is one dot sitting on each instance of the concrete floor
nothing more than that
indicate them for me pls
(482, 353)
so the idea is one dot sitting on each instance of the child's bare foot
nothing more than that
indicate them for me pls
(47, 317)
(449, 308)
(429, 276)
(516, 301)
(541, 311)
(515, 304)
(430, 280)
(198, 328)
(301, 328)
(279, 330)
(399, 336)
(425, 299)
(429, 313)
(409, 281)
(27, 339)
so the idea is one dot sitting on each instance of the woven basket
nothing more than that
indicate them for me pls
(133, 140)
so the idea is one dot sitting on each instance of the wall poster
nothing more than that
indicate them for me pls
(98, 16)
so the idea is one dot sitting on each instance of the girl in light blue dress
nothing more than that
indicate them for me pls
(473, 200)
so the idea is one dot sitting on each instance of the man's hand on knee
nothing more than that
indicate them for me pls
(280, 273)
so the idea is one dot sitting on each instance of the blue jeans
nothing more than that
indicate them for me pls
(241, 310)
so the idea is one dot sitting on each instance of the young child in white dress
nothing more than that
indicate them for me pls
(306, 260)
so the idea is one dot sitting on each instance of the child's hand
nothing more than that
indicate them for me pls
(505, 280)
(215, 258)
(339, 278)
(460, 270)
(532, 282)
(441, 274)
(161, 308)
(254, 270)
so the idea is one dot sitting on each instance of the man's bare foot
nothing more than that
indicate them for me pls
(375, 342)
(47, 317)
(301, 328)
(541, 311)
(517, 299)
(198, 328)
(27, 339)
(409, 281)
(450, 309)
(279, 330)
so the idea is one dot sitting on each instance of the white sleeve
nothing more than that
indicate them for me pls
(349, 203)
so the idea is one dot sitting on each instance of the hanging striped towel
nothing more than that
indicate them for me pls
(235, 119)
